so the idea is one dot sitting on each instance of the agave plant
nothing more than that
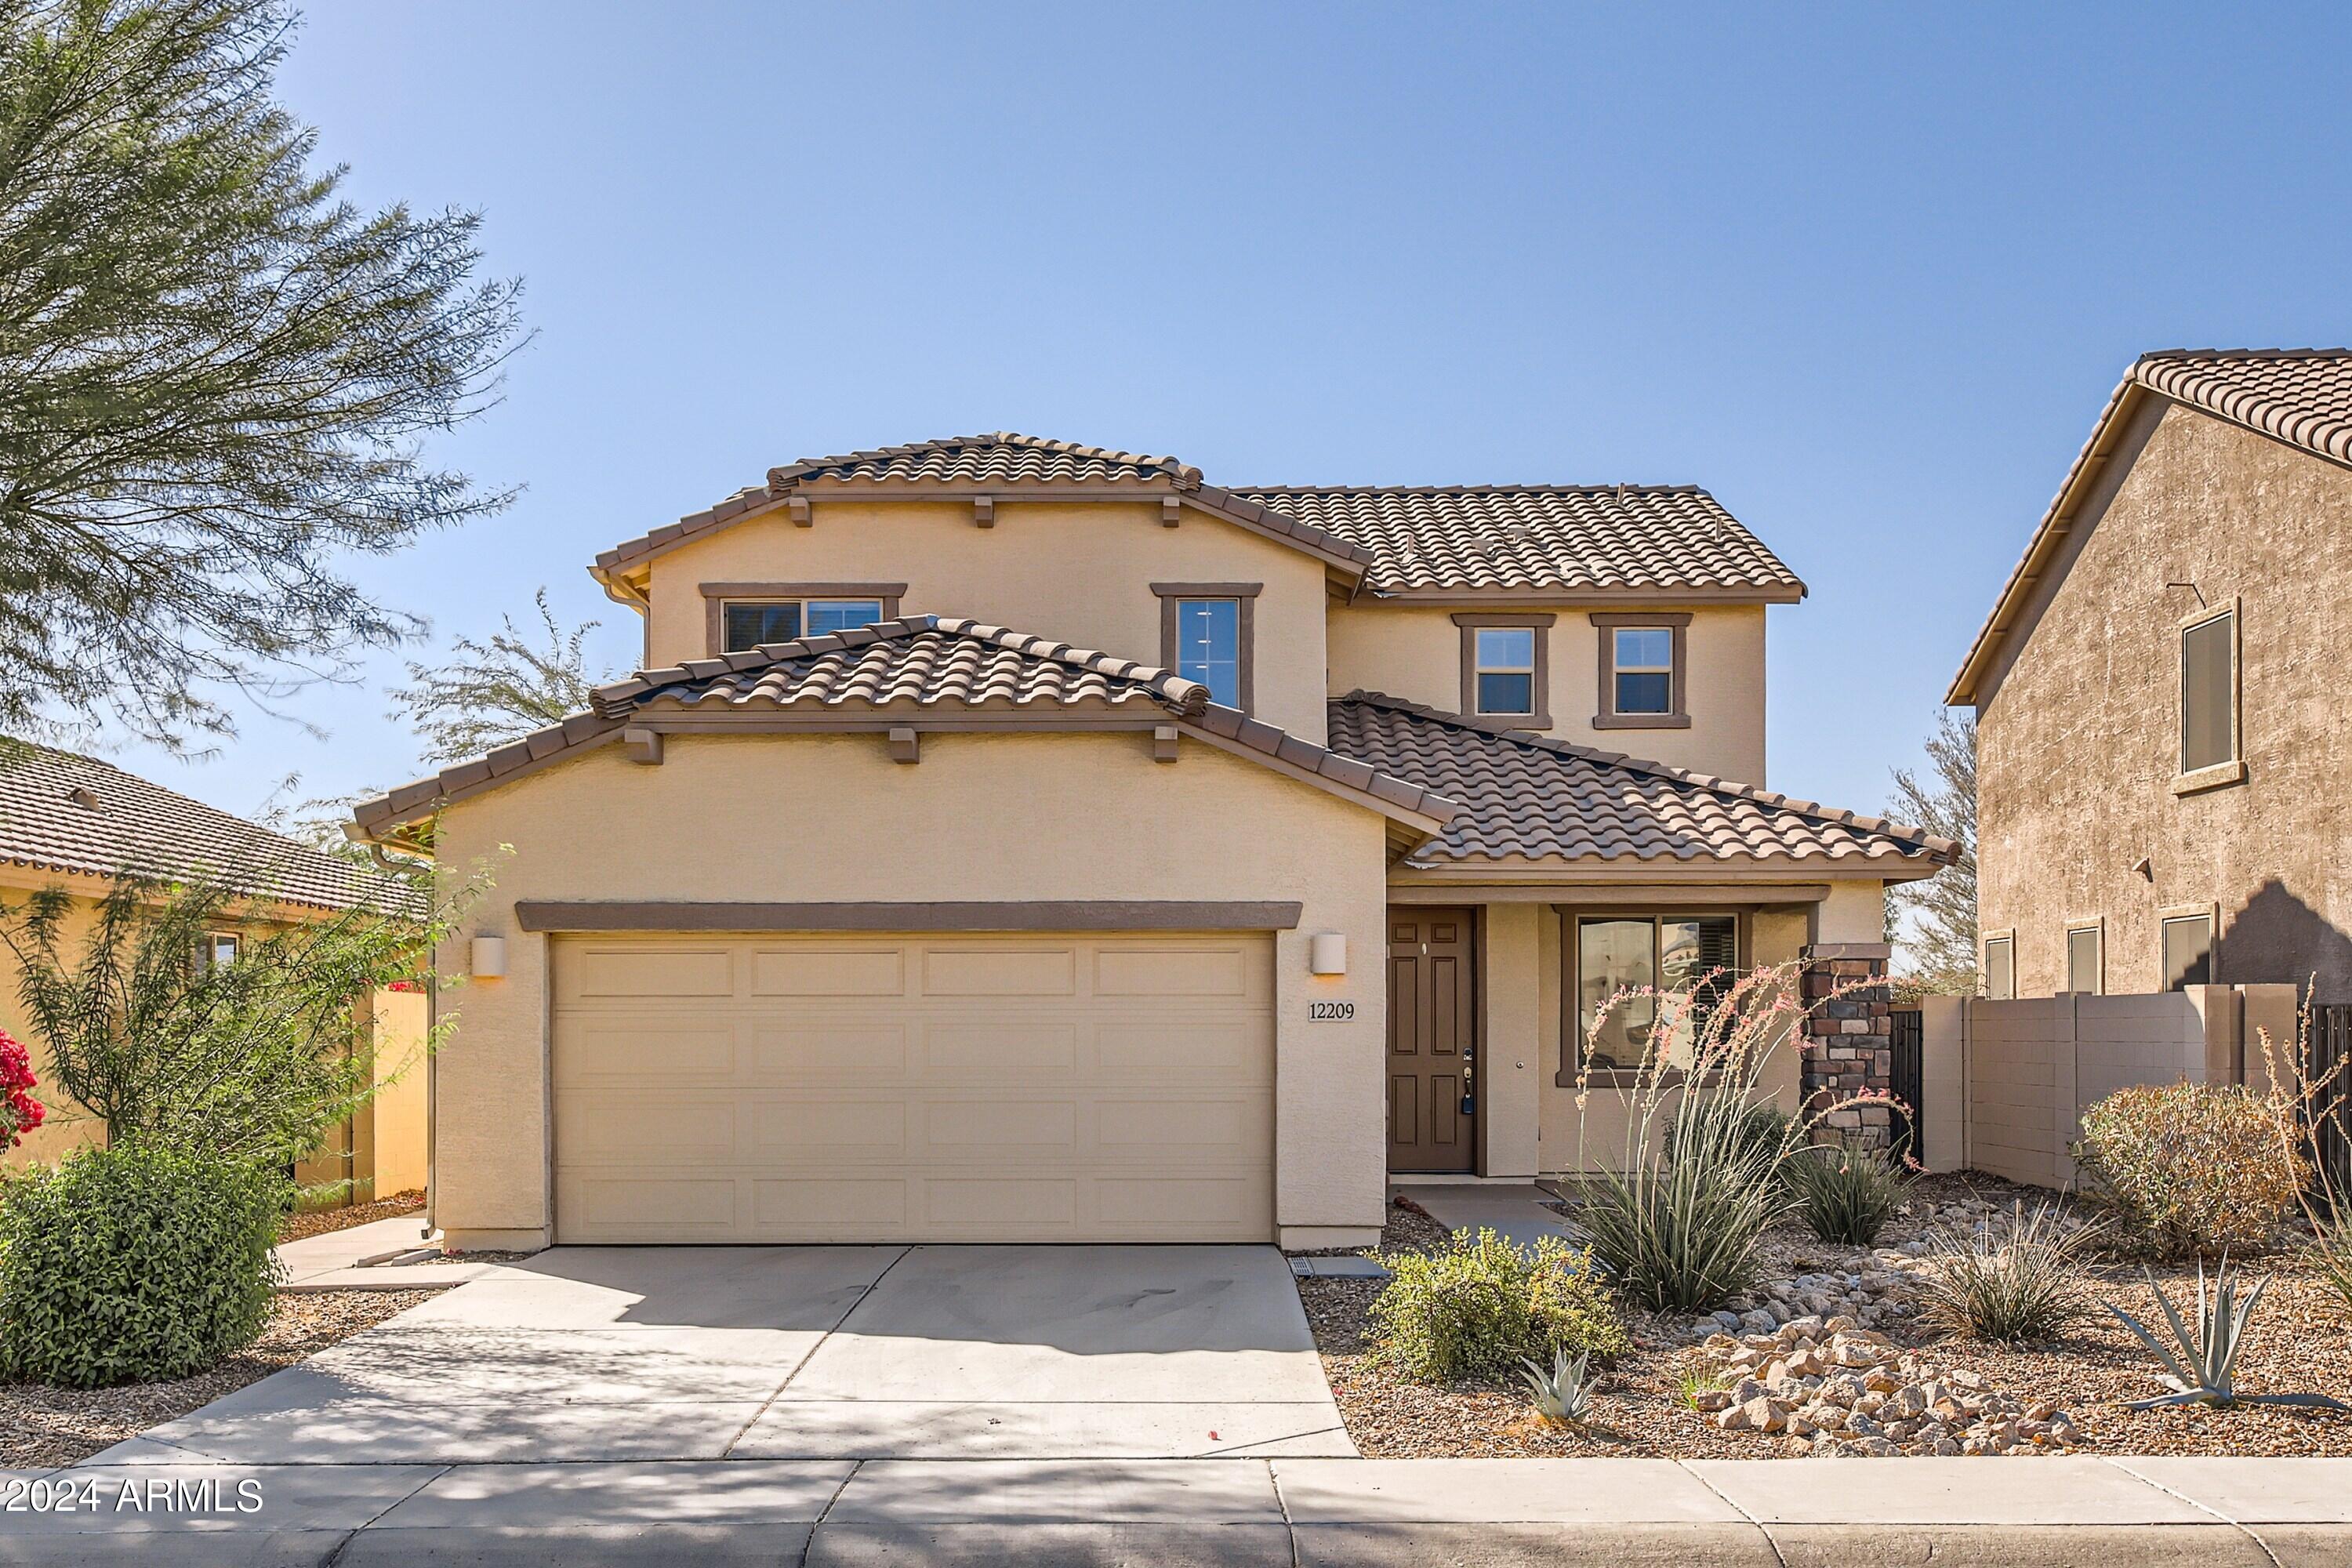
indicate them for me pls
(1561, 1395)
(2200, 1372)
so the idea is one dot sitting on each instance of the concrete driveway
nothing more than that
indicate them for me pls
(815, 1353)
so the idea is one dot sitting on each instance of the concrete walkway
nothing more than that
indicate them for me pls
(1513, 1209)
(1863, 1513)
(600, 1354)
(332, 1261)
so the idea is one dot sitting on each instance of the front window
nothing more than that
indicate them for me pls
(1643, 662)
(1504, 669)
(1669, 954)
(746, 623)
(1209, 646)
(2082, 961)
(2187, 951)
(2000, 969)
(2209, 690)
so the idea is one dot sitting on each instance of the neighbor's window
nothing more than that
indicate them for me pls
(1209, 646)
(1670, 952)
(1503, 667)
(2083, 961)
(2209, 690)
(1643, 669)
(2188, 942)
(746, 623)
(219, 950)
(2000, 969)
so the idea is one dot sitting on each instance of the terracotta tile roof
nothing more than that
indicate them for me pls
(926, 662)
(63, 812)
(1597, 538)
(914, 665)
(1529, 537)
(2300, 397)
(1524, 798)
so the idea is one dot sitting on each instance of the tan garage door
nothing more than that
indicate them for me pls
(942, 1087)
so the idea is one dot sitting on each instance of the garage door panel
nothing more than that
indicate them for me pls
(829, 972)
(827, 1050)
(993, 971)
(909, 1088)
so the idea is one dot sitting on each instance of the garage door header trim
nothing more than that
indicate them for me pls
(1068, 914)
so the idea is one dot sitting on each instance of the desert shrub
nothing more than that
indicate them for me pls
(2022, 1281)
(130, 1265)
(1846, 1195)
(1478, 1305)
(2191, 1168)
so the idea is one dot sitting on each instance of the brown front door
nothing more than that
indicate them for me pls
(1432, 1029)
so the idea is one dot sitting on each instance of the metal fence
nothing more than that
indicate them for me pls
(1906, 1083)
(2328, 1065)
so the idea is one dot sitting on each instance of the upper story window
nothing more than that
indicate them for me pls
(2209, 695)
(1206, 634)
(1506, 667)
(745, 615)
(2001, 968)
(1643, 674)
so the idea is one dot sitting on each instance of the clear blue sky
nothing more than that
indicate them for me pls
(1866, 273)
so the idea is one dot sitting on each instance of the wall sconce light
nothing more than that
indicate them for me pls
(489, 957)
(1326, 953)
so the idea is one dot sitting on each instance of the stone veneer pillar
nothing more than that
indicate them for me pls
(1850, 1044)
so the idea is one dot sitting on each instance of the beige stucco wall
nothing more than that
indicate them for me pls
(2078, 736)
(1414, 651)
(826, 818)
(1077, 571)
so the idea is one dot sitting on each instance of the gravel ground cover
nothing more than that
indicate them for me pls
(295, 1227)
(1647, 1401)
(42, 1426)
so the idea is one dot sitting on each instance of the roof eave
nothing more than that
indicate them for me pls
(1660, 594)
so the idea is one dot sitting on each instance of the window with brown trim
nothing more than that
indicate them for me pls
(1506, 667)
(1606, 953)
(740, 616)
(1208, 633)
(1645, 663)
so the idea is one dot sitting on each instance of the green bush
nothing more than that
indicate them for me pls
(2192, 1168)
(1845, 1195)
(132, 1265)
(1477, 1305)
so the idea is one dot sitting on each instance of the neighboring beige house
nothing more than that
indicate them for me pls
(1012, 840)
(2164, 768)
(73, 822)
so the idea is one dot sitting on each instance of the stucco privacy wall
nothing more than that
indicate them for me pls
(2026, 1070)
(1414, 651)
(1077, 571)
(2077, 743)
(997, 818)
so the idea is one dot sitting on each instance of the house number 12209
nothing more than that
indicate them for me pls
(1330, 1012)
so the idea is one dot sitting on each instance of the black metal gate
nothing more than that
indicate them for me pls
(2330, 1072)
(1904, 1084)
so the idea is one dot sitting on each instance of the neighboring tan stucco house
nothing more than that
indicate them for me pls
(75, 823)
(2164, 768)
(1011, 841)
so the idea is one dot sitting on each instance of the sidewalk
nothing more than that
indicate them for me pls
(1859, 1513)
(331, 1261)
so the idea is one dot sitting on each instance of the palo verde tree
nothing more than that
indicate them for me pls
(1939, 915)
(215, 373)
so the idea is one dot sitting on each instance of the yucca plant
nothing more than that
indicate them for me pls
(2023, 1283)
(1561, 1395)
(2200, 1371)
(1846, 1195)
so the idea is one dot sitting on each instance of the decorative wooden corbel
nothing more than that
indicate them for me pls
(1170, 512)
(1163, 743)
(904, 747)
(643, 745)
(797, 508)
(983, 511)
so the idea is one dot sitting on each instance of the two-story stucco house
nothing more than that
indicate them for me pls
(1012, 840)
(2164, 771)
